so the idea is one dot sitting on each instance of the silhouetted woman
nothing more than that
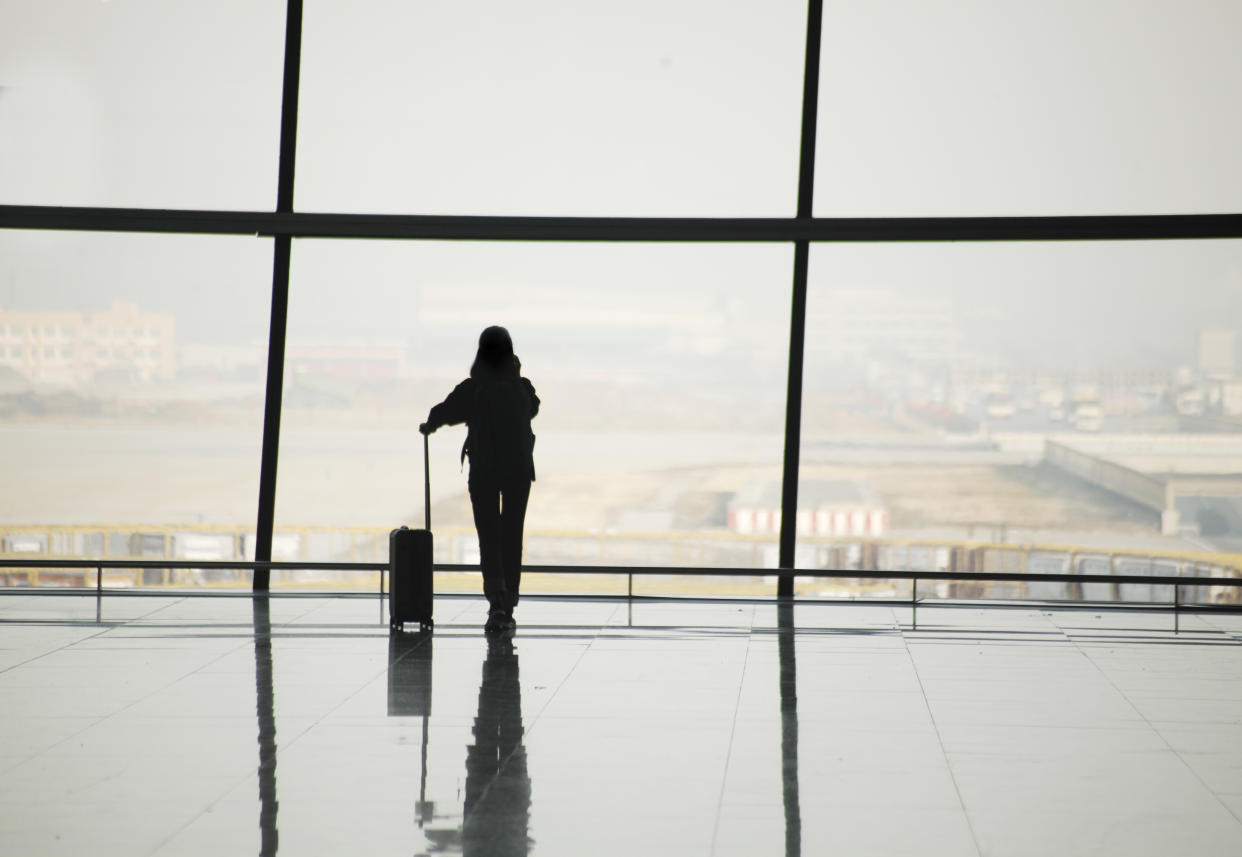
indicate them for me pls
(497, 404)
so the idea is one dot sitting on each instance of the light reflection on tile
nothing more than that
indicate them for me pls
(207, 726)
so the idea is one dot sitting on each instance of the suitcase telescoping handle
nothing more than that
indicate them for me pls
(427, 483)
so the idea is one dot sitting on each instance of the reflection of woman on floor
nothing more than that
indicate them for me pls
(497, 404)
(496, 816)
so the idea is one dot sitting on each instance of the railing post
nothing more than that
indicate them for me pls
(914, 603)
(1025, 568)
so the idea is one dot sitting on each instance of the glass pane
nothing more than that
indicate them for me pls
(131, 399)
(976, 108)
(1009, 407)
(551, 107)
(661, 370)
(159, 103)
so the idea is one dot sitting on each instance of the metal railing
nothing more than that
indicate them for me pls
(1176, 604)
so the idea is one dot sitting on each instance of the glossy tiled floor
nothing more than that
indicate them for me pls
(214, 726)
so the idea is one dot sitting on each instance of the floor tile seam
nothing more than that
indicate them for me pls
(221, 795)
(95, 722)
(111, 627)
(948, 765)
(98, 721)
(283, 746)
(48, 652)
(193, 815)
(312, 605)
(527, 729)
(465, 606)
(1233, 633)
(737, 705)
(163, 842)
(1237, 817)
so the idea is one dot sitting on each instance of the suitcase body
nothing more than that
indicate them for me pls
(410, 567)
(409, 578)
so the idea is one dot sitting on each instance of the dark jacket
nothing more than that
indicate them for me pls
(474, 402)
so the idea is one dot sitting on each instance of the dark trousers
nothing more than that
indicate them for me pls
(499, 516)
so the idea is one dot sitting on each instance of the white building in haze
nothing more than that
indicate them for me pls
(72, 349)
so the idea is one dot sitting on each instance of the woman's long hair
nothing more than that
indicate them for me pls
(494, 358)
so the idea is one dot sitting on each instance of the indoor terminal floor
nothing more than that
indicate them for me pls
(214, 725)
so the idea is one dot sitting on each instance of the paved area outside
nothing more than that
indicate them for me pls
(175, 726)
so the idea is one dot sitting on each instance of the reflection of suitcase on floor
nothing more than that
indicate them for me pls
(409, 675)
(409, 568)
(409, 695)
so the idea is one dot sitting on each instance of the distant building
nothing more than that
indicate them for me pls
(338, 359)
(73, 349)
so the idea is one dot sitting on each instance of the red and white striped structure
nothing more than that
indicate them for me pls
(826, 509)
(824, 521)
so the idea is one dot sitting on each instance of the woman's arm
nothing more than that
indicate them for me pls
(453, 410)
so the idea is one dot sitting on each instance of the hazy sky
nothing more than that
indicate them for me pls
(676, 107)
(650, 107)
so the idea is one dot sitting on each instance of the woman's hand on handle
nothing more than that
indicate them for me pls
(425, 428)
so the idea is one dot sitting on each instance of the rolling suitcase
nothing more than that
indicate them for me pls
(409, 567)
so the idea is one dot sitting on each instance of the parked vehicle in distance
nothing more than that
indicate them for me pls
(999, 406)
(1053, 400)
(1190, 402)
(1087, 416)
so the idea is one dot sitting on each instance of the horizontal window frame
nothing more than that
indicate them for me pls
(641, 229)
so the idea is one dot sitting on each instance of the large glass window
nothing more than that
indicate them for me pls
(156, 103)
(110, 453)
(975, 108)
(551, 107)
(660, 368)
(1012, 407)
